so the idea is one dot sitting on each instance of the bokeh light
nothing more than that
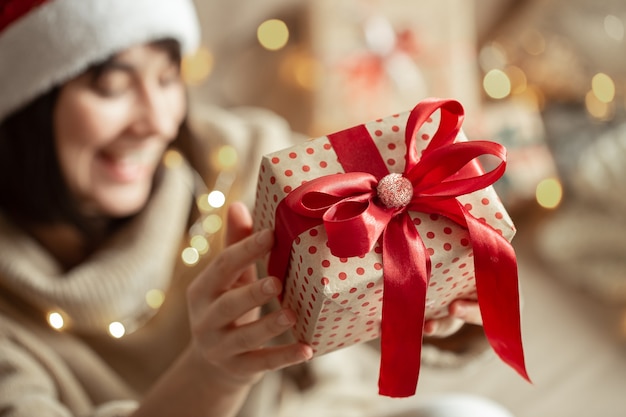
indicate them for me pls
(55, 320)
(598, 109)
(155, 298)
(614, 27)
(196, 67)
(200, 243)
(172, 158)
(497, 84)
(226, 157)
(216, 199)
(212, 223)
(603, 87)
(190, 256)
(273, 34)
(549, 193)
(117, 329)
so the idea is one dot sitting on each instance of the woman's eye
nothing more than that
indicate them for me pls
(113, 83)
(170, 75)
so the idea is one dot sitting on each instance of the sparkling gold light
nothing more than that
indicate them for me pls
(533, 42)
(190, 256)
(155, 298)
(549, 193)
(116, 329)
(603, 87)
(273, 34)
(497, 84)
(226, 157)
(202, 201)
(614, 27)
(212, 223)
(200, 243)
(492, 56)
(172, 158)
(596, 108)
(55, 320)
(216, 199)
(197, 67)
(518, 79)
(299, 68)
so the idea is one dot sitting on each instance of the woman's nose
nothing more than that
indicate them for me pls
(156, 113)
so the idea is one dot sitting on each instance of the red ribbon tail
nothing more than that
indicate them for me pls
(406, 272)
(498, 294)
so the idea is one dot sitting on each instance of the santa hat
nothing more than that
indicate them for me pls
(44, 43)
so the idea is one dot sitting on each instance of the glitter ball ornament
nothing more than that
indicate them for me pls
(394, 191)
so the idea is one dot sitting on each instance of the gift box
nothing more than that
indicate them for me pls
(381, 226)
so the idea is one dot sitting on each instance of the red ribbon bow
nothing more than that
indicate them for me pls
(354, 219)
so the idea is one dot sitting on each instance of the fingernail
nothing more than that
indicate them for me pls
(269, 287)
(264, 237)
(284, 319)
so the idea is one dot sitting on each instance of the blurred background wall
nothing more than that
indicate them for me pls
(547, 78)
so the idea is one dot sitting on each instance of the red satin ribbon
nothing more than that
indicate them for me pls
(355, 220)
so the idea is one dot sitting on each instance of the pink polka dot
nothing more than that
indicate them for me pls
(378, 132)
(391, 161)
(272, 180)
(447, 246)
(425, 136)
(323, 164)
(325, 263)
(327, 146)
(391, 146)
(378, 266)
(464, 242)
(343, 276)
(395, 128)
(430, 235)
(499, 215)
(468, 206)
(417, 221)
(353, 290)
(306, 168)
(370, 285)
(434, 217)
(275, 160)
(447, 230)
(312, 249)
(288, 173)
(485, 201)
(309, 271)
(430, 251)
(360, 271)
(439, 265)
(310, 151)
(313, 232)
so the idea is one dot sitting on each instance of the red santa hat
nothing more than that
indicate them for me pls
(44, 43)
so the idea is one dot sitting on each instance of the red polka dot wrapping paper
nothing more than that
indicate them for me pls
(338, 301)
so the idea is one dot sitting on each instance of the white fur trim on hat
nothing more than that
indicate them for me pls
(61, 38)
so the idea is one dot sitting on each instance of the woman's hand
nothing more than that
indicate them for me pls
(229, 335)
(461, 312)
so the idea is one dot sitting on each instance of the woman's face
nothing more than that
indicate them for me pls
(112, 127)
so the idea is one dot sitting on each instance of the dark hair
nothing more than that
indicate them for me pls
(32, 187)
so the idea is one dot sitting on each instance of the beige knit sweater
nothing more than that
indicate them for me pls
(83, 371)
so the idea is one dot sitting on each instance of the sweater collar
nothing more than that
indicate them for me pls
(112, 285)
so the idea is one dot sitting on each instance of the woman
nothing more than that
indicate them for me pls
(99, 315)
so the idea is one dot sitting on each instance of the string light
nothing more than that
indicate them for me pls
(497, 84)
(196, 68)
(549, 193)
(55, 320)
(273, 34)
(614, 27)
(603, 87)
(155, 298)
(117, 329)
